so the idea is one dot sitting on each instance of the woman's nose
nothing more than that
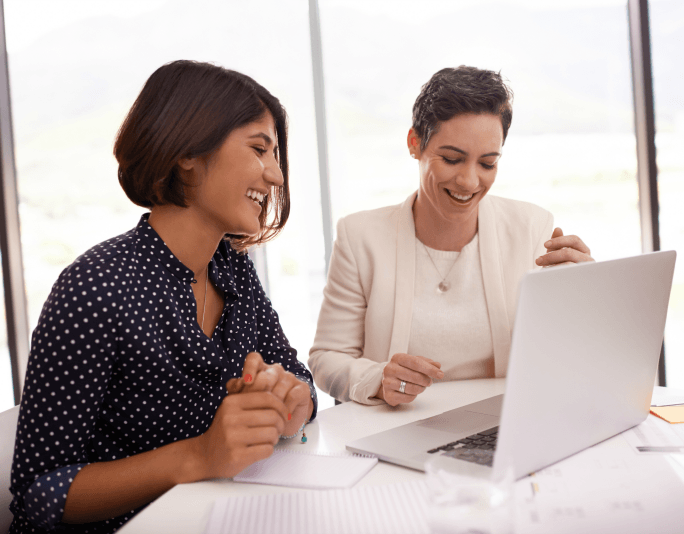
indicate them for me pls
(467, 177)
(272, 173)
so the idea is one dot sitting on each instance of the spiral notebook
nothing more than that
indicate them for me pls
(307, 470)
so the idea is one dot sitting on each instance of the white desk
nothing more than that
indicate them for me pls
(185, 509)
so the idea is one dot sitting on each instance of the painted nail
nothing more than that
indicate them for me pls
(248, 378)
(289, 416)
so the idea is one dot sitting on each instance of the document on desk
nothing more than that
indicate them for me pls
(391, 509)
(606, 488)
(666, 396)
(305, 470)
(655, 435)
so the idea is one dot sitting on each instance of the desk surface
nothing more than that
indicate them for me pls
(185, 508)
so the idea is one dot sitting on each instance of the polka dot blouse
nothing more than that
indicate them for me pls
(119, 366)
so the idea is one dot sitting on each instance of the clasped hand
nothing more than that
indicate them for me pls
(564, 250)
(265, 403)
(417, 371)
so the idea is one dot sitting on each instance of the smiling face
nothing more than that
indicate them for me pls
(229, 189)
(457, 168)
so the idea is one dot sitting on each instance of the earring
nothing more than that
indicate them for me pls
(413, 156)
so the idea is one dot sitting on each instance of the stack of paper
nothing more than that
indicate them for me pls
(668, 404)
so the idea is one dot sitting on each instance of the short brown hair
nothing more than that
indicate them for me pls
(452, 92)
(186, 110)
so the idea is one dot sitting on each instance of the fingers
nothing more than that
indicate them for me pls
(564, 250)
(417, 364)
(234, 385)
(297, 395)
(267, 378)
(253, 364)
(411, 389)
(258, 401)
(570, 241)
(564, 255)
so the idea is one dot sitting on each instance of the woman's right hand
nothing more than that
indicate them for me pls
(417, 371)
(244, 431)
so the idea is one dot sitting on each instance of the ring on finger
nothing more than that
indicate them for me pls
(402, 386)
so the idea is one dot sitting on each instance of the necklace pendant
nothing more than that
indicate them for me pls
(443, 286)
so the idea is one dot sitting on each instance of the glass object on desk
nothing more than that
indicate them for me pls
(460, 504)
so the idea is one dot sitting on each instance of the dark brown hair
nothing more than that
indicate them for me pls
(452, 92)
(186, 110)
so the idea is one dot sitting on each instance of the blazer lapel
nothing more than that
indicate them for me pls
(405, 278)
(492, 278)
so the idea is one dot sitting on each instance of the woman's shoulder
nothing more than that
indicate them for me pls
(370, 221)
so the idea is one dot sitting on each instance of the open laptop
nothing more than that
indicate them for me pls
(582, 366)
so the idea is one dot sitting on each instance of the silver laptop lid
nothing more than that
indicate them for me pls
(569, 388)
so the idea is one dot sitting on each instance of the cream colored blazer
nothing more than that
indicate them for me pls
(368, 300)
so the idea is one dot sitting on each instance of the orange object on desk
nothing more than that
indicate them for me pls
(671, 414)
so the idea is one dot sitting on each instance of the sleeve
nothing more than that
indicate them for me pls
(73, 350)
(336, 358)
(544, 232)
(272, 343)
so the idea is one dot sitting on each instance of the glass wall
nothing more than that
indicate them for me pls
(667, 49)
(571, 148)
(74, 73)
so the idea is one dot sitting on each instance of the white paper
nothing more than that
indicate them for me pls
(604, 489)
(655, 435)
(667, 396)
(390, 509)
(305, 470)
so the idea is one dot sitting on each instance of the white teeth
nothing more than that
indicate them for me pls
(256, 196)
(459, 197)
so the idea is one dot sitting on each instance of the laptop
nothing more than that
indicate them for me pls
(582, 366)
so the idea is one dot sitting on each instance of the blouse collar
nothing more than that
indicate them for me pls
(220, 268)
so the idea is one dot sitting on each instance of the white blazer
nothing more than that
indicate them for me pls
(368, 300)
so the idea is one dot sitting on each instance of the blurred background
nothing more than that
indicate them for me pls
(76, 66)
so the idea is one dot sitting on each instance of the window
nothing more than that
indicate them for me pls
(571, 147)
(76, 70)
(667, 35)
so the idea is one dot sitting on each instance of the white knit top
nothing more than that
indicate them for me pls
(452, 327)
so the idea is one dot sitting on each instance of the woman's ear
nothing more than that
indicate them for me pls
(187, 164)
(413, 143)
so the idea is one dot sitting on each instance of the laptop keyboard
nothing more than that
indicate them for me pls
(478, 448)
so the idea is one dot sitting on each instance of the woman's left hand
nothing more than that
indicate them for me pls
(564, 250)
(260, 376)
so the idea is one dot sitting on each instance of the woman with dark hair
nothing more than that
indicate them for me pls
(158, 359)
(426, 290)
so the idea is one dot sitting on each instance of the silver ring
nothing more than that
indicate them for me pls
(402, 386)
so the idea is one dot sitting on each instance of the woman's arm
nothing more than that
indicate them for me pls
(244, 430)
(336, 358)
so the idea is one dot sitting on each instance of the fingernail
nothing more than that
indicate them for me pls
(289, 416)
(441, 374)
(248, 378)
(547, 244)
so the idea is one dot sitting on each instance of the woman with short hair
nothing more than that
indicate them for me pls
(426, 290)
(143, 336)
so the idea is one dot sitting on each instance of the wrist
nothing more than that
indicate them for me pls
(193, 466)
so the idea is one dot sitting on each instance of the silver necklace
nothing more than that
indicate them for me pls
(443, 286)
